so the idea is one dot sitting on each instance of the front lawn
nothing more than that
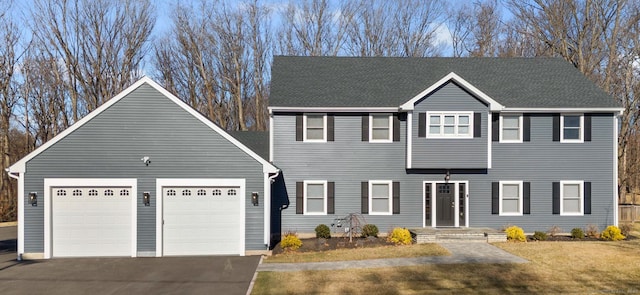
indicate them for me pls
(361, 253)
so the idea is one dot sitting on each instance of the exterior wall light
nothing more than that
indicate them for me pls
(447, 177)
(254, 199)
(33, 199)
(146, 198)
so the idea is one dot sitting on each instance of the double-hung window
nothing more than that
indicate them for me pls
(511, 128)
(381, 128)
(511, 198)
(380, 197)
(571, 197)
(315, 197)
(315, 127)
(571, 128)
(449, 125)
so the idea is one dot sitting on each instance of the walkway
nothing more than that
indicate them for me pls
(460, 253)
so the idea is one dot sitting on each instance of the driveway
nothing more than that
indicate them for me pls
(167, 275)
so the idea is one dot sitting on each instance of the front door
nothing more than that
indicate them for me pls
(445, 204)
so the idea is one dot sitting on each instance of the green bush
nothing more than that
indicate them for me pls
(577, 233)
(611, 233)
(323, 231)
(516, 234)
(400, 236)
(290, 242)
(370, 230)
(539, 236)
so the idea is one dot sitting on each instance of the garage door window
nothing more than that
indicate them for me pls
(108, 192)
(202, 192)
(61, 192)
(124, 192)
(93, 193)
(77, 192)
(186, 192)
(171, 192)
(232, 192)
(217, 192)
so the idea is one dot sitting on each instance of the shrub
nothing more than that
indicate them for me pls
(611, 233)
(290, 242)
(592, 231)
(370, 230)
(323, 231)
(539, 236)
(577, 233)
(554, 230)
(625, 229)
(400, 236)
(515, 233)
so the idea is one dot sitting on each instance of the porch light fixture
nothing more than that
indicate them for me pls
(33, 199)
(146, 198)
(447, 176)
(254, 199)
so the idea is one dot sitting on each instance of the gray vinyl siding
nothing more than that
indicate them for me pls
(465, 153)
(145, 123)
(348, 161)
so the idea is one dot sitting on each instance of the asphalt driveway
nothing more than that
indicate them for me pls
(167, 275)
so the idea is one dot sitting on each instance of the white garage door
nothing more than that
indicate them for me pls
(91, 221)
(202, 220)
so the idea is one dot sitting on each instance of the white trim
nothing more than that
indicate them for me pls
(456, 115)
(561, 110)
(409, 139)
(489, 140)
(271, 138)
(562, 139)
(20, 166)
(615, 171)
(520, 198)
(456, 204)
(324, 128)
(21, 210)
(304, 196)
(390, 128)
(580, 183)
(520, 129)
(164, 182)
(334, 109)
(89, 182)
(388, 183)
(493, 105)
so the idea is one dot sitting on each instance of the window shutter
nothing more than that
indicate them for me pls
(396, 127)
(556, 130)
(526, 198)
(299, 126)
(495, 127)
(365, 197)
(365, 127)
(422, 124)
(396, 197)
(556, 197)
(477, 125)
(330, 127)
(587, 127)
(495, 198)
(587, 198)
(299, 198)
(526, 127)
(331, 193)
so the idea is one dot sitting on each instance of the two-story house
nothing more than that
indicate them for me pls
(442, 142)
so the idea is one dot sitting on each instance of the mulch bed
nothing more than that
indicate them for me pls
(314, 244)
(562, 238)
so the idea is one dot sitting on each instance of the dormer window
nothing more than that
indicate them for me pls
(449, 125)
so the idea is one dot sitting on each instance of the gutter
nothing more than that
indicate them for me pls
(16, 177)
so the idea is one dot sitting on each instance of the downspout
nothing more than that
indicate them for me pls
(11, 174)
(20, 224)
(271, 180)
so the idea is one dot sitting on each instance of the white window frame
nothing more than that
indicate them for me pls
(520, 198)
(324, 128)
(580, 183)
(581, 139)
(457, 117)
(390, 195)
(324, 185)
(390, 135)
(520, 129)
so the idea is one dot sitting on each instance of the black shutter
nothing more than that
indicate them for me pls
(495, 198)
(556, 197)
(477, 125)
(299, 126)
(587, 127)
(526, 127)
(330, 127)
(526, 198)
(422, 124)
(364, 189)
(396, 197)
(587, 198)
(396, 127)
(299, 198)
(365, 127)
(495, 127)
(331, 193)
(556, 128)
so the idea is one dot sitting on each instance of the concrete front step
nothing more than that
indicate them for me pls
(452, 235)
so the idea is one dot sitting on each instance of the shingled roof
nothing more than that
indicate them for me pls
(390, 82)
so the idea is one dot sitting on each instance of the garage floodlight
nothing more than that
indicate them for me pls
(33, 199)
(254, 199)
(146, 198)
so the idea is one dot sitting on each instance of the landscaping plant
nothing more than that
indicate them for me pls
(369, 230)
(290, 242)
(516, 234)
(577, 233)
(539, 236)
(400, 236)
(612, 233)
(592, 231)
(323, 231)
(626, 228)
(554, 230)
